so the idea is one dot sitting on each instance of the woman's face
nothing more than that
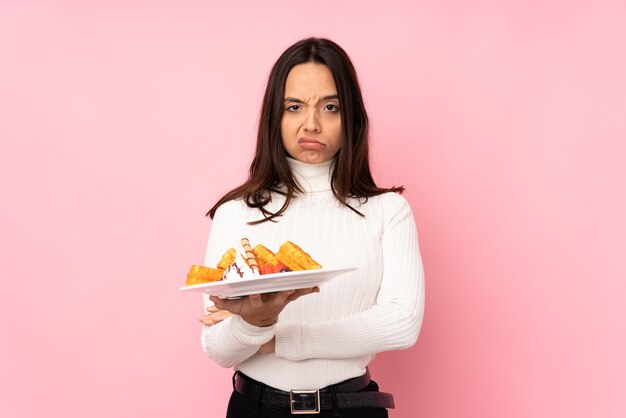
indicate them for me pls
(311, 124)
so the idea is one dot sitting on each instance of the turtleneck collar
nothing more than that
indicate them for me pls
(312, 177)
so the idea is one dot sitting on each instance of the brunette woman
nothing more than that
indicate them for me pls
(306, 351)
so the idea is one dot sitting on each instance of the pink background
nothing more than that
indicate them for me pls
(122, 122)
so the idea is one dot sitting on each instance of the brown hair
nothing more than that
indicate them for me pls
(351, 176)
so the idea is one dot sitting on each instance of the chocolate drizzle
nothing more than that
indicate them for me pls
(237, 269)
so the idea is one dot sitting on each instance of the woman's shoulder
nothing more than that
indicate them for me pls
(395, 210)
(381, 208)
(393, 198)
(387, 200)
(230, 208)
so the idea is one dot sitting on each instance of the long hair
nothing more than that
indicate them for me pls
(270, 172)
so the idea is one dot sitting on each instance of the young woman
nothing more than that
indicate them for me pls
(310, 183)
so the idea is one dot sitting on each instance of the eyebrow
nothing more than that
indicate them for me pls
(329, 97)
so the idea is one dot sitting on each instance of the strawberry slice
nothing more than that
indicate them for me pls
(280, 267)
(266, 268)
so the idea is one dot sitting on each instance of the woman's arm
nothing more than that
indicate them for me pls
(232, 340)
(392, 324)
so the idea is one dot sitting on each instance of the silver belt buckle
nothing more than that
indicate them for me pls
(298, 401)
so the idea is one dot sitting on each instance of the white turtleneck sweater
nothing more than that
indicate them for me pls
(331, 336)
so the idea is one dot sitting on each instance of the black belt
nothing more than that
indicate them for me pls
(346, 393)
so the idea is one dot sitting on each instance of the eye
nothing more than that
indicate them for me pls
(293, 108)
(331, 108)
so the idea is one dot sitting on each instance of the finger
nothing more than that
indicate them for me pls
(207, 320)
(302, 292)
(221, 315)
(215, 311)
(297, 295)
(281, 298)
(223, 304)
(217, 315)
(216, 301)
(212, 308)
(214, 318)
(256, 300)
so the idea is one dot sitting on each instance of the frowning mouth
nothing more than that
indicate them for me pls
(311, 144)
(309, 140)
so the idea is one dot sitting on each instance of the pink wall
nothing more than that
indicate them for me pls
(122, 122)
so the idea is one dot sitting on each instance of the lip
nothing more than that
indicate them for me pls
(311, 144)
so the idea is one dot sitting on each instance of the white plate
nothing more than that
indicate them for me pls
(267, 283)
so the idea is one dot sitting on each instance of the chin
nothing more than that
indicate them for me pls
(318, 159)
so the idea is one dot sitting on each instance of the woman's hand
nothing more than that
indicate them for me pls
(261, 310)
(214, 316)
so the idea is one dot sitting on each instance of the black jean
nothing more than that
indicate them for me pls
(241, 407)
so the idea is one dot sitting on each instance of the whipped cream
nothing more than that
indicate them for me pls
(239, 270)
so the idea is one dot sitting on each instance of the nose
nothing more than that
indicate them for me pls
(311, 122)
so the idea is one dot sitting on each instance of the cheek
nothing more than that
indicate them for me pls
(287, 127)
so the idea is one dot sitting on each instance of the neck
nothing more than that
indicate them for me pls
(312, 177)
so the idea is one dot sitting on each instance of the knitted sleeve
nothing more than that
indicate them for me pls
(233, 340)
(392, 323)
